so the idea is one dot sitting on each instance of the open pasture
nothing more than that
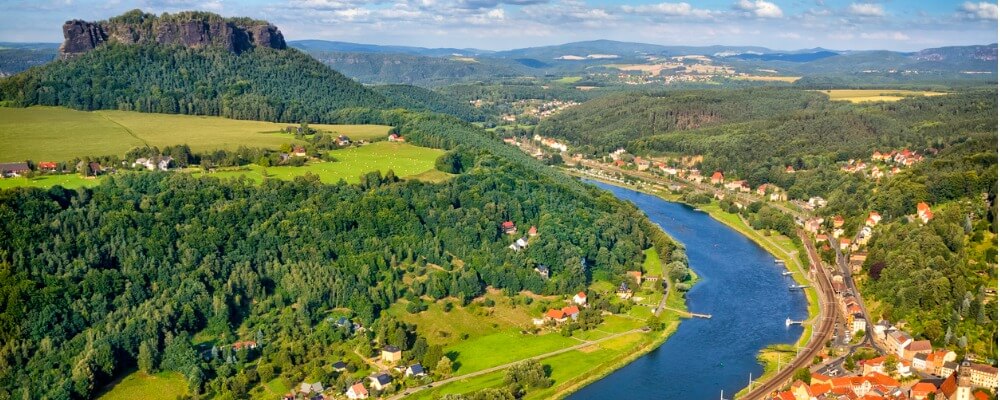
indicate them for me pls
(61, 134)
(403, 159)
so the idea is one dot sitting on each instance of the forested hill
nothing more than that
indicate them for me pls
(260, 84)
(420, 99)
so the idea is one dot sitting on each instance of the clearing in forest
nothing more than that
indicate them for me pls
(865, 95)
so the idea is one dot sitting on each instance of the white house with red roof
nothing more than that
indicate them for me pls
(356, 391)
(718, 178)
(580, 299)
(924, 212)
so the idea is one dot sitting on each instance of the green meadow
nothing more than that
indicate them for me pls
(61, 134)
(138, 385)
(403, 159)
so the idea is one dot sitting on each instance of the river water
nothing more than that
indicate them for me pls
(739, 285)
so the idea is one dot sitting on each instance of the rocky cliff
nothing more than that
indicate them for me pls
(190, 29)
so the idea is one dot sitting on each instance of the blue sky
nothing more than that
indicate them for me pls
(504, 24)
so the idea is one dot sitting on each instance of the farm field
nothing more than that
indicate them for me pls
(403, 159)
(766, 78)
(61, 134)
(864, 95)
(568, 79)
(69, 181)
(138, 385)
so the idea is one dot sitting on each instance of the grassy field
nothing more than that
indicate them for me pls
(138, 385)
(767, 78)
(69, 181)
(865, 95)
(651, 266)
(403, 159)
(60, 134)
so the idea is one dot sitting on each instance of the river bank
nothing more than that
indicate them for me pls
(782, 248)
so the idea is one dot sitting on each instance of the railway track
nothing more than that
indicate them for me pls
(825, 329)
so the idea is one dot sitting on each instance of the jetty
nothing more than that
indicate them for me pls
(790, 322)
(797, 287)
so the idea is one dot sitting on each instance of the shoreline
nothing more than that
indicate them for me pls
(812, 298)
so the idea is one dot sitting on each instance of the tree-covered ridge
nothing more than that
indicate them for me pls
(91, 275)
(608, 122)
(261, 84)
(420, 99)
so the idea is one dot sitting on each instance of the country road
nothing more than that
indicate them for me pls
(510, 364)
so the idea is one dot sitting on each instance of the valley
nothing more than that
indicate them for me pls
(195, 208)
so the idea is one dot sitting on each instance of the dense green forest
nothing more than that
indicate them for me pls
(612, 121)
(420, 70)
(420, 99)
(90, 276)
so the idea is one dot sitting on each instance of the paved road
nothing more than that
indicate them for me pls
(510, 364)
(823, 330)
(845, 270)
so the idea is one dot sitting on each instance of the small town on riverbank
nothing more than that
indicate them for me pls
(861, 358)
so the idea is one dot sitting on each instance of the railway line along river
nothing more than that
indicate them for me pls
(743, 289)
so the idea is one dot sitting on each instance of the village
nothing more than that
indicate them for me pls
(867, 360)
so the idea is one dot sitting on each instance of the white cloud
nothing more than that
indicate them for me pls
(670, 10)
(983, 10)
(760, 8)
(866, 10)
(885, 36)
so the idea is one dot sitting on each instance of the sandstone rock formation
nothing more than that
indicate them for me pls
(190, 29)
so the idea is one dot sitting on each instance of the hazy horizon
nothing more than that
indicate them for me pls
(511, 24)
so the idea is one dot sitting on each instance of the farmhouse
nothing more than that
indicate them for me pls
(636, 275)
(532, 231)
(508, 227)
(396, 138)
(718, 178)
(924, 212)
(555, 315)
(571, 311)
(391, 354)
(623, 291)
(299, 151)
(13, 169)
(580, 299)
(343, 140)
(357, 391)
(47, 166)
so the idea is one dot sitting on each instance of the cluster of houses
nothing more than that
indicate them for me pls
(551, 143)
(18, 169)
(154, 163)
(377, 382)
(967, 381)
(883, 164)
(509, 228)
(560, 315)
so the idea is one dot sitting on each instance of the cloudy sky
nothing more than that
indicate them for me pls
(504, 24)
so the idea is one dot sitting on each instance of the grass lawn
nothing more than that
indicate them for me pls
(863, 95)
(60, 134)
(138, 385)
(445, 328)
(402, 158)
(504, 347)
(651, 266)
(69, 181)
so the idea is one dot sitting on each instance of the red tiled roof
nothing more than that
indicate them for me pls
(570, 310)
(981, 395)
(921, 206)
(922, 388)
(358, 388)
(581, 295)
(920, 345)
(555, 314)
(882, 379)
(507, 224)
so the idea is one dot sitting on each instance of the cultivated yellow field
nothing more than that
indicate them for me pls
(866, 95)
(60, 134)
(765, 78)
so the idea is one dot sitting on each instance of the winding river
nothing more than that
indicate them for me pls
(739, 285)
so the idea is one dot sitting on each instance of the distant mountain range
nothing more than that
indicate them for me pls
(381, 64)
